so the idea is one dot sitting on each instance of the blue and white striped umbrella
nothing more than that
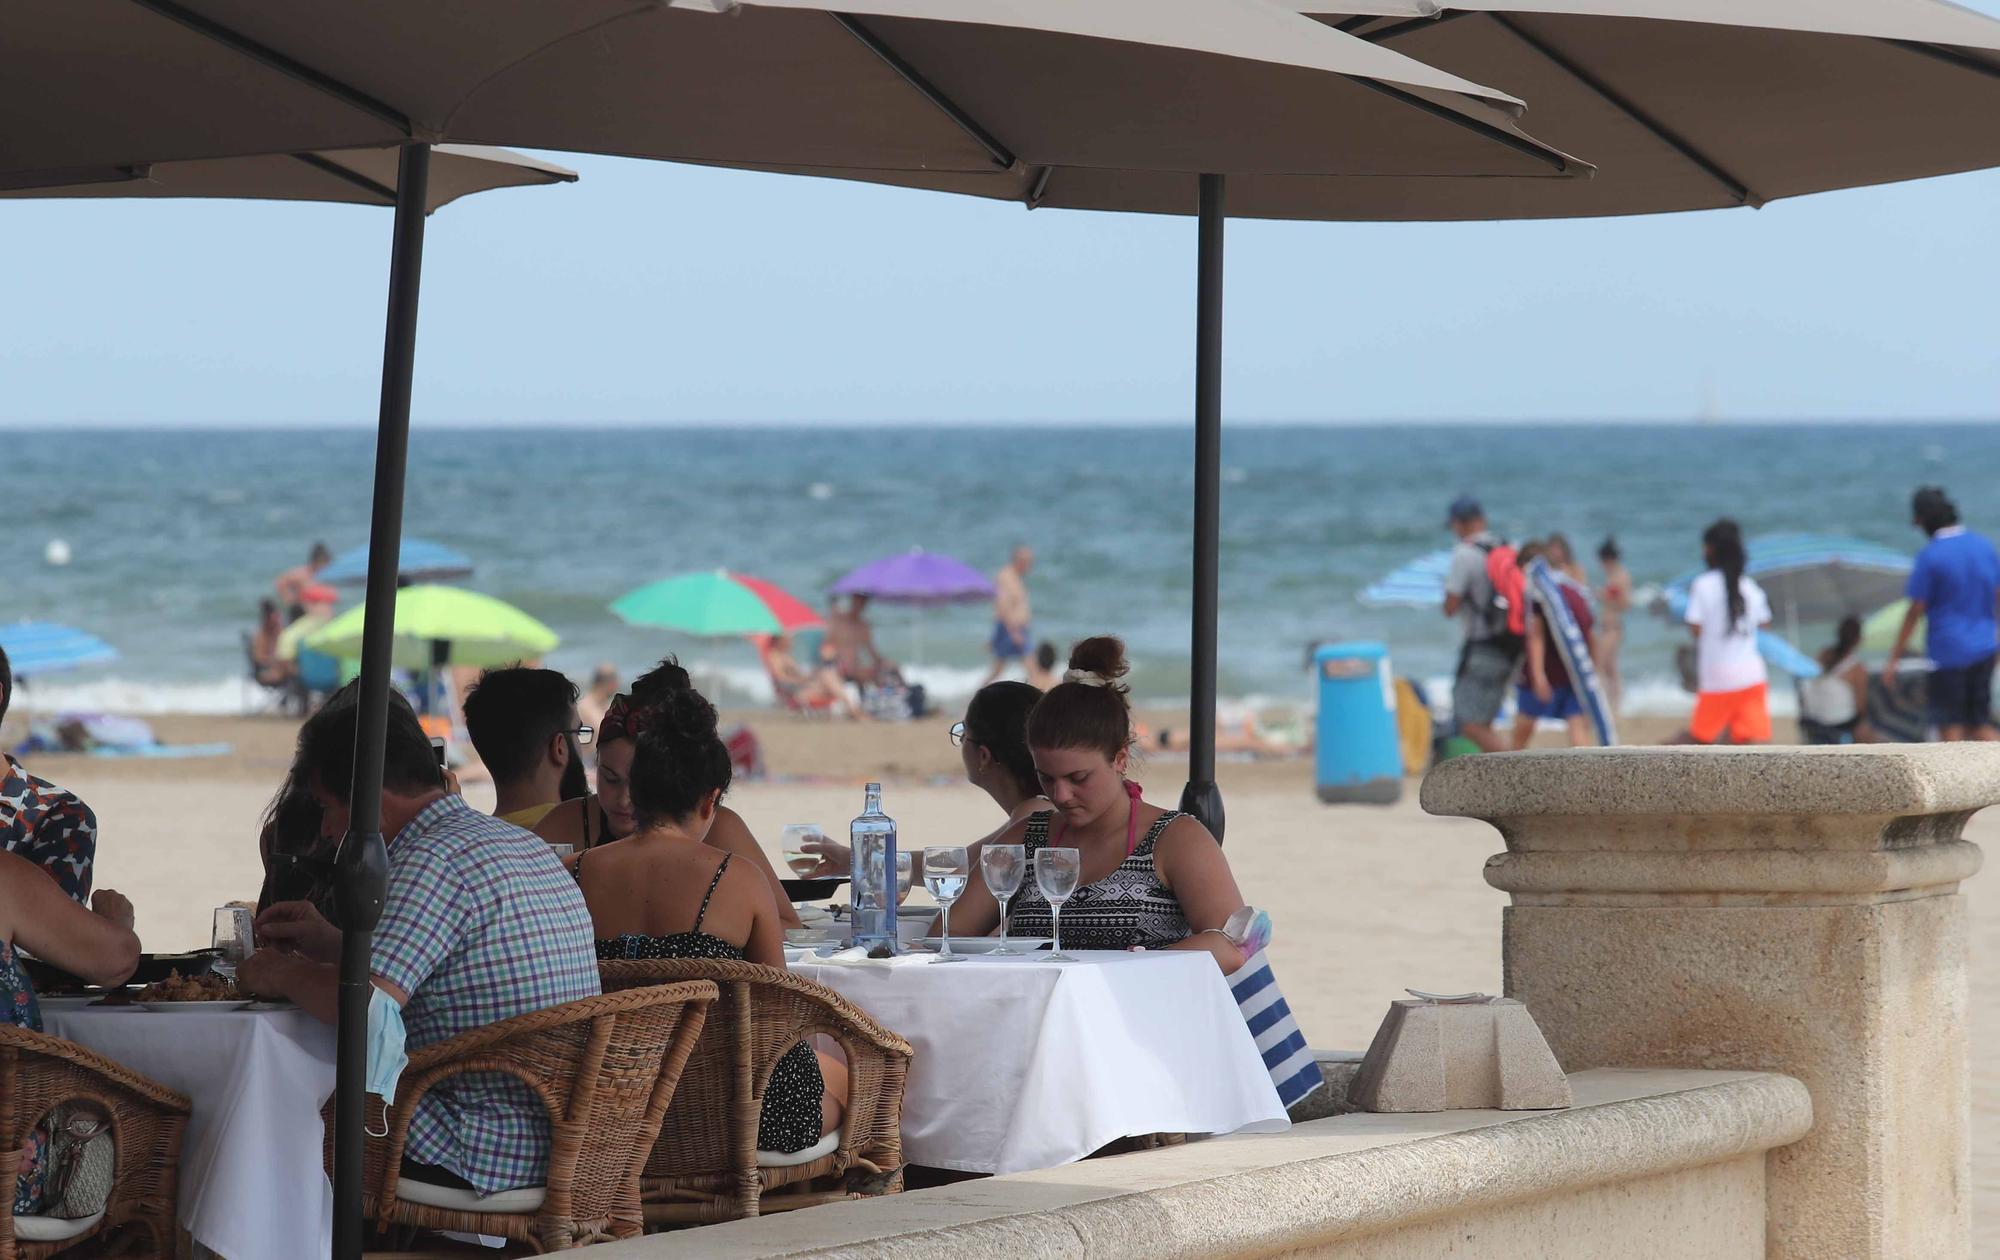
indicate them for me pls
(419, 561)
(43, 647)
(1812, 578)
(1418, 584)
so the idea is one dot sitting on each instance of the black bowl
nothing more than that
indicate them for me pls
(48, 978)
(812, 889)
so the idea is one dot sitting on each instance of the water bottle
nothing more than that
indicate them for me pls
(873, 836)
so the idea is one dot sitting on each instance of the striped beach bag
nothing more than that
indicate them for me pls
(1290, 1061)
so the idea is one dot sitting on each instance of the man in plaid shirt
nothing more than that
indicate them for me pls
(480, 923)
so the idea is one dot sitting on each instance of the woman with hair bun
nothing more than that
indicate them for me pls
(663, 893)
(1152, 878)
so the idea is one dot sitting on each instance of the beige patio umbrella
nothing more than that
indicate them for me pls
(1018, 87)
(354, 176)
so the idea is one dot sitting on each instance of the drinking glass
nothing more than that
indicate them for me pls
(1002, 866)
(946, 871)
(793, 841)
(232, 935)
(1056, 871)
(904, 875)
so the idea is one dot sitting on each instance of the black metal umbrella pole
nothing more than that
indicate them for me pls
(363, 861)
(1202, 797)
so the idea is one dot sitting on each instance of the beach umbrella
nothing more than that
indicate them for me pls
(364, 177)
(1878, 632)
(473, 629)
(714, 604)
(417, 560)
(44, 647)
(916, 576)
(1812, 578)
(1418, 584)
(1020, 87)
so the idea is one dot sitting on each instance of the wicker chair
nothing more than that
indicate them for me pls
(706, 1166)
(37, 1072)
(605, 1067)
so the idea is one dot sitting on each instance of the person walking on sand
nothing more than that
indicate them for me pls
(1725, 610)
(1012, 614)
(1613, 599)
(1954, 585)
(1493, 647)
(1546, 689)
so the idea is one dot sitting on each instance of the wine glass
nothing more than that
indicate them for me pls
(946, 871)
(905, 875)
(1002, 866)
(232, 936)
(1056, 871)
(792, 842)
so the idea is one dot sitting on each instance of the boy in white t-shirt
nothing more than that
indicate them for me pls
(1732, 700)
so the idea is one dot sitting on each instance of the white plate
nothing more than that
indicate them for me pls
(189, 1008)
(985, 944)
(63, 1000)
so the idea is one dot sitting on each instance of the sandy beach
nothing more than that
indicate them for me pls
(1367, 900)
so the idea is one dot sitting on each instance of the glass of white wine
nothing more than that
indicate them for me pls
(793, 841)
(946, 870)
(1056, 871)
(1002, 866)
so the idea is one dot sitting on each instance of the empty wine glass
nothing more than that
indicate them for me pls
(792, 843)
(1002, 866)
(946, 871)
(1056, 871)
(232, 936)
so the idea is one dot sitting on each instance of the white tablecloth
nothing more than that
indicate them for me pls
(253, 1183)
(1026, 1064)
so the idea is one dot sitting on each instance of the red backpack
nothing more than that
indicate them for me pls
(1508, 613)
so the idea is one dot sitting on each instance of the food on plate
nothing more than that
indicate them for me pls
(179, 988)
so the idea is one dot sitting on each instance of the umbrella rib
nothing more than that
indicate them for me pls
(1735, 187)
(1950, 56)
(1499, 135)
(271, 58)
(1002, 156)
(356, 178)
(63, 177)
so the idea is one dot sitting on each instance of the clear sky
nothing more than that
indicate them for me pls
(657, 293)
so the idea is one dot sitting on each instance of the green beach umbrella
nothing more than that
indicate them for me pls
(1878, 633)
(717, 603)
(473, 629)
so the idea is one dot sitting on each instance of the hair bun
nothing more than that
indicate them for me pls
(1102, 655)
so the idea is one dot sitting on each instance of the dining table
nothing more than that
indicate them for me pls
(253, 1184)
(1022, 1062)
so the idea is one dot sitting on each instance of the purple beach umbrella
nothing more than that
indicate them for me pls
(917, 577)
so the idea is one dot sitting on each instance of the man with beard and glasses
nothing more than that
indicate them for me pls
(524, 725)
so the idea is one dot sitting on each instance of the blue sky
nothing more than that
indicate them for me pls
(657, 293)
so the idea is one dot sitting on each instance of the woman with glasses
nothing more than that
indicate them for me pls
(993, 746)
(607, 815)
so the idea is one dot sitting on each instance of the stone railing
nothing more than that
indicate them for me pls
(1788, 910)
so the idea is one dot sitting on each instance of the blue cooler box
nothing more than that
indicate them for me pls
(1358, 757)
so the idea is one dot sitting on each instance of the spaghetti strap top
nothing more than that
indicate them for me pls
(702, 913)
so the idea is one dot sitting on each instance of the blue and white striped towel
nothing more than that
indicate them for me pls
(1286, 1056)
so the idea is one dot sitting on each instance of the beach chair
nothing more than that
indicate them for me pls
(606, 1067)
(706, 1166)
(788, 697)
(262, 697)
(39, 1072)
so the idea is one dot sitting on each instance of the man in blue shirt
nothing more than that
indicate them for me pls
(1955, 586)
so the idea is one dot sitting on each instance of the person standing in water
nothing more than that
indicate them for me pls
(1613, 599)
(1013, 616)
(1954, 585)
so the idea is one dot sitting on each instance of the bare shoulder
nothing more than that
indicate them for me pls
(1186, 835)
(564, 823)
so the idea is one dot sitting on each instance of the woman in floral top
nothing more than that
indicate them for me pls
(97, 945)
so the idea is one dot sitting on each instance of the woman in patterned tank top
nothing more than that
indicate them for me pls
(1152, 878)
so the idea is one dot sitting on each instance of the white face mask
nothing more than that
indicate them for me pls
(386, 1056)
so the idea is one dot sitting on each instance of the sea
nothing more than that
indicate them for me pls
(173, 536)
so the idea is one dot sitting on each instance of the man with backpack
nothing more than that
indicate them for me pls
(1483, 588)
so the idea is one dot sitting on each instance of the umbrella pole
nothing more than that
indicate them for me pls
(362, 866)
(1202, 797)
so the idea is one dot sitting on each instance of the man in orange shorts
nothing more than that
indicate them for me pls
(1744, 716)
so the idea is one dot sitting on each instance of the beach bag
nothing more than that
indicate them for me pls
(82, 1162)
(1294, 1070)
(1505, 612)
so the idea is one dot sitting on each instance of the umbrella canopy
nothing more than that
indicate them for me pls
(917, 577)
(1879, 631)
(357, 176)
(718, 603)
(1021, 88)
(1812, 578)
(1418, 584)
(43, 647)
(478, 629)
(419, 560)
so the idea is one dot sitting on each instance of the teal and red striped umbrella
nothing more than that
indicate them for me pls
(717, 603)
